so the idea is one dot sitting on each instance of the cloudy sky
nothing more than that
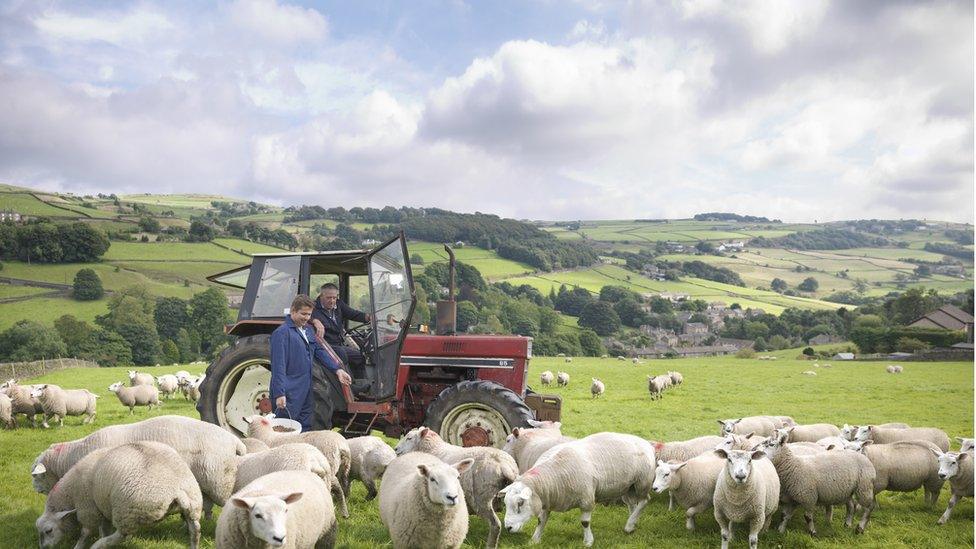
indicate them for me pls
(592, 109)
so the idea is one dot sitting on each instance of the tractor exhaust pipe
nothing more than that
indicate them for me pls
(447, 308)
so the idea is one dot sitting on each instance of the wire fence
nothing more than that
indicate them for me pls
(25, 370)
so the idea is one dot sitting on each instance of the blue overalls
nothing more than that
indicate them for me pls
(291, 370)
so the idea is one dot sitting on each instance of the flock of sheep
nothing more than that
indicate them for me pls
(656, 385)
(55, 403)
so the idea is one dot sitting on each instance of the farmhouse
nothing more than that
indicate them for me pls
(947, 317)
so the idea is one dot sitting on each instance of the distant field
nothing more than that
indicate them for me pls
(64, 273)
(931, 394)
(178, 200)
(487, 262)
(170, 251)
(8, 290)
(47, 309)
(26, 204)
(247, 247)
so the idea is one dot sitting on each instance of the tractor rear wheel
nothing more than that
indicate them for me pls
(477, 413)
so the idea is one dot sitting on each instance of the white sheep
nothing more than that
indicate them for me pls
(58, 403)
(296, 456)
(676, 378)
(208, 450)
(71, 498)
(883, 435)
(569, 359)
(690, 483)
(966, 444)
(831, 442)
(809, 433)
(6, 411)
(285, 509)
(546, 378)
(809, 373)
(168, 385)
(254, 445)
(136, 395)
(597, 387)
(193, 389)
(140, 378)
(369, 458)
(562, 379)
(849, 431)
(602, 467)
(760, 425)
(655, 386)
(747, 491)
(422, 503)
(683, 450)
(827, 478)
(332, 445)
(491, 471)
(903, 467)
(621, 357)
(957, 468)
(21, 401)
(527, 445)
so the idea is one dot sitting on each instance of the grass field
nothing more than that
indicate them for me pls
(931, 394)
(170, 251)
(491, 266)
(48, 309)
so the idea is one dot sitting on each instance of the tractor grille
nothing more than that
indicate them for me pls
(453, 346)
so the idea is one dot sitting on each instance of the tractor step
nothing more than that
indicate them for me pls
(360, 424)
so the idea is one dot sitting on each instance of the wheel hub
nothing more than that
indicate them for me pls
(474, 424)
(245, 393)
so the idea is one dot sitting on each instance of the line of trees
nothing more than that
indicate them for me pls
(41, 241)
(822, 239)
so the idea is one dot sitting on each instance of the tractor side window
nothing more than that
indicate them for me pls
(391, 293)
(278, 287)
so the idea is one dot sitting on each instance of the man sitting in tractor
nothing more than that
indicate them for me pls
(293, 345)
(328, 318)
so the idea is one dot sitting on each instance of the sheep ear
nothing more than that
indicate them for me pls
(292, 497)
(536, 424)
(866, 443)
(831, 447)
(38, 469)
(962, 456)
(935, 451)
(720, 452)
(515, 432)
(789, 429)
(720, 422)
(504, 490)
(63, 514)
(758, 454)
(463, 465)
(423, 470)
(242, 503)
(677, 466)
(423, 432)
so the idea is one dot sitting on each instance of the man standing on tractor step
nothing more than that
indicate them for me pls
(328, 318)
(293, 347)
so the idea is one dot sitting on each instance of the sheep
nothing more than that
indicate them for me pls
(296, 456)
(254, 445)
(597, 387)
(831, 442)
(286, 509)
(957, 468)
(809, 433)
(827, 478)
(208, 450)
(903, 467)
(883, 435)
(369, 458)
(966, 444)
(690, 483)
(168, 384)
(491, 471)
(848, 431)
(58, 403)
(747, 490)
(182, 374)
(332, 445)
(422, 503)
(137, 395)
(136, 485)
(569, 359)
(655, 387)
(546, 378)
(683, 450)
(760, 425)
(193, 390)
(527, 445)
(676, 378)
(562, 379)
(21, 401)
(137, 378)
(621, 357)
(809, 373)
(68, 498)
(785, 421)
(602, 467)
(6, 411)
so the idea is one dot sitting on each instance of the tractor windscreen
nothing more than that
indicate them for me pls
(391, 292)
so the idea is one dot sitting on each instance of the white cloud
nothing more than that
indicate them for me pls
(772, 25)
(127, 30)
(278, 23)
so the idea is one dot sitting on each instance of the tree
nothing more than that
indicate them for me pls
(756, 330)
(913, 303)
(808, 351)
(151, 225)
(572, 302)
(600, 317)
(778, 285)
(548, 320)
(421, 314)
(130, 314)
(73, 332)
(923, 271)
(39, 242)
(809, 284)
(28, 340)
(208, 314)
(467, 316)
(171, 315)
(87, 285)
(910, 345)
(200, 232)
(705, 247)
(416, 259)
(661, 305)
(614, 294)
(82, 243)
(169, 353)
(630, 312)
(590, 343)
(107, 348)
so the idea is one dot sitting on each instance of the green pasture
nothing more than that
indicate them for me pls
(488, 263)
(48, 309)
(26, 204)
(9, 290)
(64, 273)
(170, 251)
(926, 394)
(178, 200)
(247, 247)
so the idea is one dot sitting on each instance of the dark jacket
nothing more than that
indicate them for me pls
(334, 323)
(291, 363)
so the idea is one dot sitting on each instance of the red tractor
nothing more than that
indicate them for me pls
(469, 388)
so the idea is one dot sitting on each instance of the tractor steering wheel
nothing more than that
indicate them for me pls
(363, 336)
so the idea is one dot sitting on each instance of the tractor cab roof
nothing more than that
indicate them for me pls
(350, 262)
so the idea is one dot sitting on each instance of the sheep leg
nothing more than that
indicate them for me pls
(587, 532)
(109, 541)
(690, 517)
(755, 525)
(849, 519)
(340, 497)
(494, 527)
(864, 519)
(44, 421)
(670, 501)
(104, 528)
(808, 517)
(85, 532)
(724, 525)
(634, 515)
(60, 421)
(191, 518)
(370, 489)
(948, 512)
(207, 507)
(788, 510)
(537, 535)
(829, 513)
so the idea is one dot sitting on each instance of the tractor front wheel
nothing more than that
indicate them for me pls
(477, 413)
